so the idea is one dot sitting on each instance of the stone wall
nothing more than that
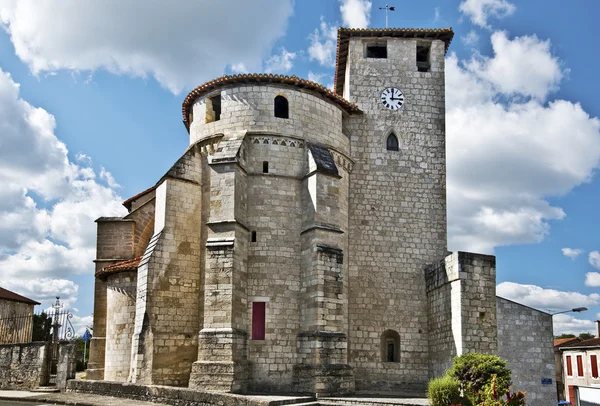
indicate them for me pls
(169, 288)
(16, 324)
(251, 108)
(397, 210)
(114, 242)
(461, 291)
(525, 340)
(23, 366)
(120, 316)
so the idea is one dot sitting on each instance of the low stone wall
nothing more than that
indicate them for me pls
(175, 396)
(23, 366)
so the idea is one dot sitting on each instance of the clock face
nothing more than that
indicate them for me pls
(392, 98)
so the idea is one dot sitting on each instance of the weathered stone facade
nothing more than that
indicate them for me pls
(292, 249)
(525, 340)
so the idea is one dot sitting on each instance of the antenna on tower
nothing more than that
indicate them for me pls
(386, 8)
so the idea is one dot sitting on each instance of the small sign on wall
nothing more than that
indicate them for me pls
(546, 381)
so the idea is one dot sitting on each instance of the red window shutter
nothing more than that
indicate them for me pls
(580, 365)
(258, 320)
(594, 363)
(569, 366)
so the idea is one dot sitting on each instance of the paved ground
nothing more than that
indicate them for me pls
(22, 398)
(25, 398)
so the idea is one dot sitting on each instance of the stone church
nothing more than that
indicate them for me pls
(299, 243)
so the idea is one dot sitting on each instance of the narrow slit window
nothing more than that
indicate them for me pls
(258, 320)
(253, 236)
(423, 63)
(265, 167)
(392, 142)
(377, 51)
(390, 351)
(281, 107)
(213, 109)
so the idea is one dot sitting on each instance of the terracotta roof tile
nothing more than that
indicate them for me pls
(127, 203)
(558, 342)
(344, 35)
(15, 297)
(592, 342)
(261, 78)
(125, 265)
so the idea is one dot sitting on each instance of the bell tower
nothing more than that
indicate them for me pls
(397, 207)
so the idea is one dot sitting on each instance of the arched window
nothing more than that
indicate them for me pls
(390, 346)
(392, 142)
(282, 109)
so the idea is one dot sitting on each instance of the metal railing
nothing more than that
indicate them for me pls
(54, 325)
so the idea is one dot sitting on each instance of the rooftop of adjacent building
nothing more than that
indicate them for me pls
(6, 294)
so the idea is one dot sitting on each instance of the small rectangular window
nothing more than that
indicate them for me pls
(423, 63)
(213, 108)
(378, 51)
(265, 167)
(258, 320)
(580, 365)
(569, 366)
(594, 365)
(253, 236)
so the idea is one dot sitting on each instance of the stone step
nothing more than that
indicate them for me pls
(46, 389)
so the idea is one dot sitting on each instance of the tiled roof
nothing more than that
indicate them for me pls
(127, 203)
(592, 342)
(344, 35)
(125, 265)
(15, 297)
(559, 342)
(261, 78)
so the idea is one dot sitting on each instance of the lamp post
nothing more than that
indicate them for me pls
(575, 310)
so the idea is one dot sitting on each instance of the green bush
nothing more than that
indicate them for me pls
(475, 373)
(445, 391)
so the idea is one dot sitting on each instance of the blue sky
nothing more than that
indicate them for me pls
(90, 114)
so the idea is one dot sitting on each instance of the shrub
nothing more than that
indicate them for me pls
(475, 373)
(445, 391)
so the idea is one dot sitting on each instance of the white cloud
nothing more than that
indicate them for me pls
(323, 44)
(479, 11)
(545, 299)
(48, 204)
(522, 66)
(592, 279)
(568, 324)
(356, 13)
(471, 38)
(239, 68)
(179, 46)
(594, 259)
(509, 148)
(281, 63)
(45, 290)
(572, 253)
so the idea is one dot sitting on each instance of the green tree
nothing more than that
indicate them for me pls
(565, 336)
(42, 325)
(585, 336)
